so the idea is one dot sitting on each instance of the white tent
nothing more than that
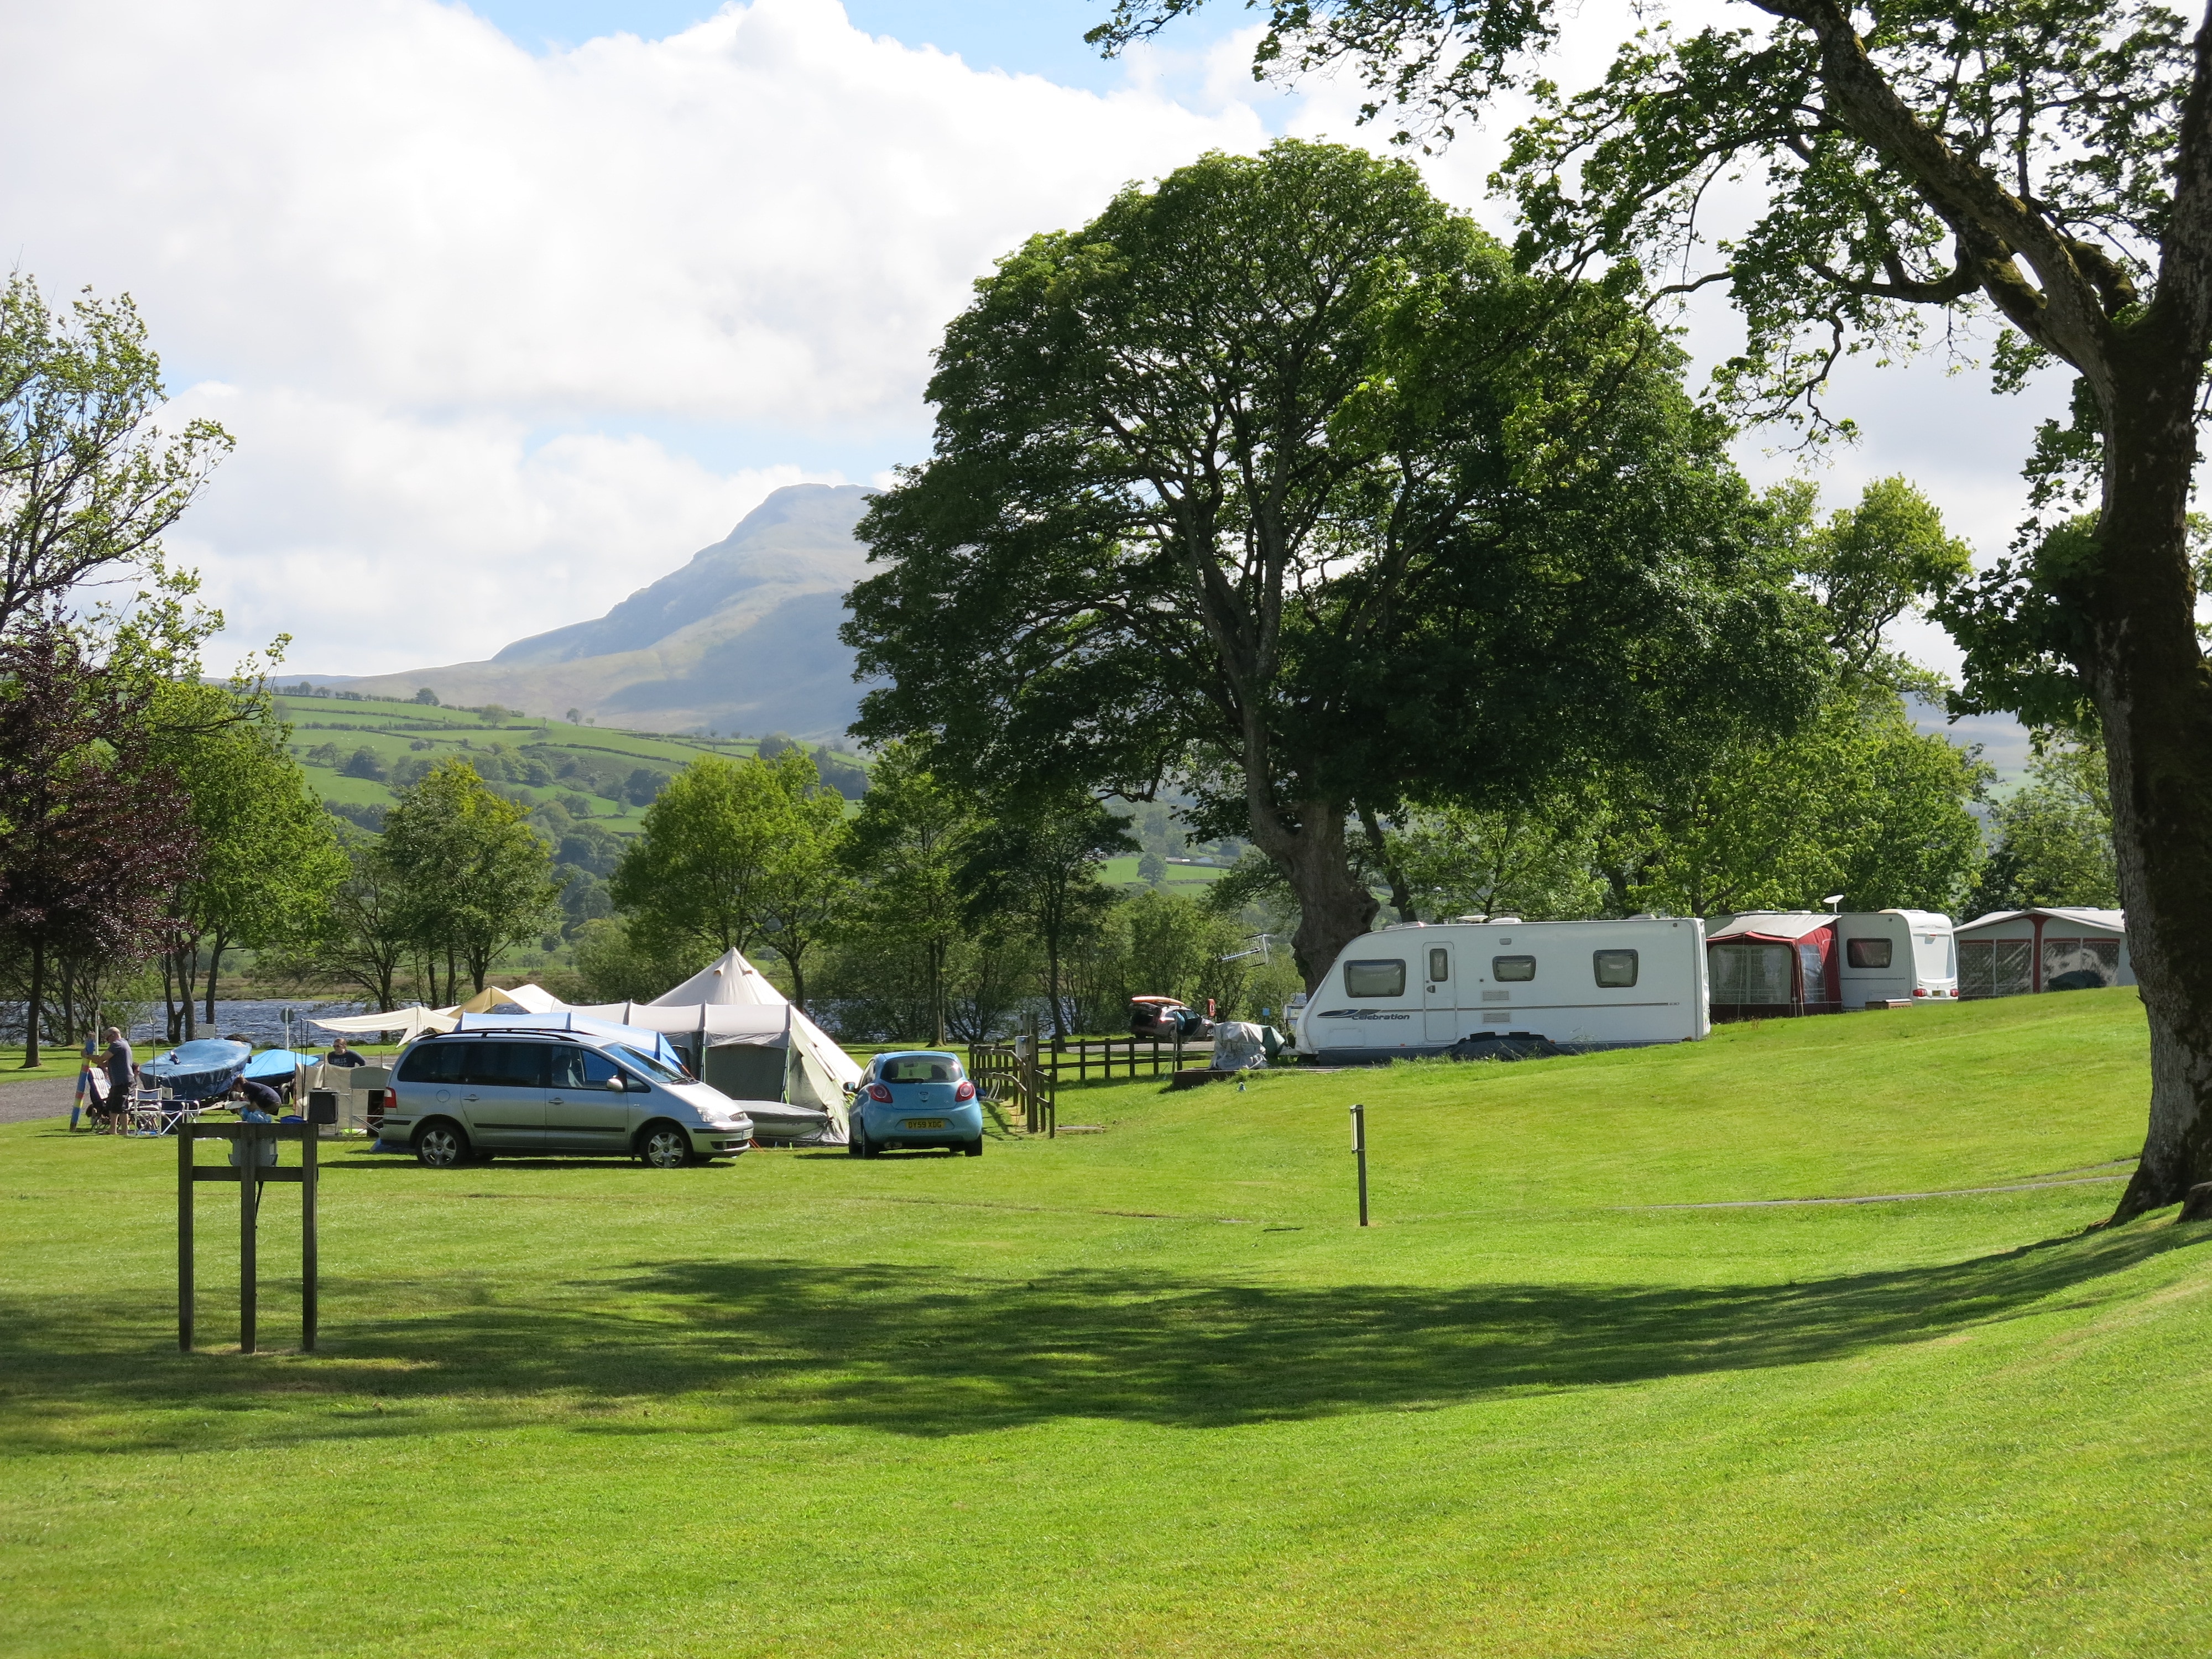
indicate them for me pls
(728, 979)
(730, 1015)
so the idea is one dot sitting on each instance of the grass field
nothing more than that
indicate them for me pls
(1147, 1391)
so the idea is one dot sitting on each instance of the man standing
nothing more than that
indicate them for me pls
(122, 1075)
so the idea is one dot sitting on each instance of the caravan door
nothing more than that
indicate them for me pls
(1440, 996)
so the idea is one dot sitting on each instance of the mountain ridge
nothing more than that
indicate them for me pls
(741, 637)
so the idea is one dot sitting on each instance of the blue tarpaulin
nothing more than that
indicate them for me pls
(276, 1063)
(197, 1071)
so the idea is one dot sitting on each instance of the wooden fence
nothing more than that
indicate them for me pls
(1026, 1076)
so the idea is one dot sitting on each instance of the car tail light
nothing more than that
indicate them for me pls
(965, 1091)
(1919, 991)
(877, 1092)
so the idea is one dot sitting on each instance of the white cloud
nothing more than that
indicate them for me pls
(452, 296)
(399, 243)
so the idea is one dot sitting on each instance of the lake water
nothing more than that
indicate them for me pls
(260, 1023)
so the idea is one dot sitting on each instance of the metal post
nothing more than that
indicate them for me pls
(1359, 1151)
(249, 1198)
(309, 1261)
(184, 1132)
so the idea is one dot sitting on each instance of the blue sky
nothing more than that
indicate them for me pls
(1022, 36)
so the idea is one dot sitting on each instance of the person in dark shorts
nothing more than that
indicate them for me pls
(122, 1074)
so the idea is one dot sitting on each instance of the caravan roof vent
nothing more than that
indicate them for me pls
(1505, 921)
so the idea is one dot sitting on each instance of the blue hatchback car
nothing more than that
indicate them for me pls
(918, 1098)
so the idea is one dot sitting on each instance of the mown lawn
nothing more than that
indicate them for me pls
(1148, 1391)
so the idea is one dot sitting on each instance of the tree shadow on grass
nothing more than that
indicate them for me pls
(725, 1344)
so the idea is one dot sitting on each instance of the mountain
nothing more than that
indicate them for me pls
(744, 638)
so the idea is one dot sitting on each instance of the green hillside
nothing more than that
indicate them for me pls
(1622, 1370)
(589, 769)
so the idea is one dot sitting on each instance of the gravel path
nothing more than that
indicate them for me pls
(49, 1096)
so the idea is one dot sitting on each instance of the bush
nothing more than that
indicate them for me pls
(364, 763)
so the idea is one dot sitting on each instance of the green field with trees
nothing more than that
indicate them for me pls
(1582, 1388)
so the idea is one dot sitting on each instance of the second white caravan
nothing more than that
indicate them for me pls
(1430, 988)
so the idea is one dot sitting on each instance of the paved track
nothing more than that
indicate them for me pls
(48, 1096)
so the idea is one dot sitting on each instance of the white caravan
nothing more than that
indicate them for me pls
(1426, 989)
(1895, 956)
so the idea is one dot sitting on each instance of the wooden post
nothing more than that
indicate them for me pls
(184, 1237)
(1359, 1151)
(310, 1262)
(249, 1205)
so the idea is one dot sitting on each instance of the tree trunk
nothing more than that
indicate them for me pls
(1401, 896)
(215, 967)
(1333, 907)
(188, 975)
(2149, 680)
(33, 1007)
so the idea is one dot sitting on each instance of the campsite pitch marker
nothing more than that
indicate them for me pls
(1360, 1152)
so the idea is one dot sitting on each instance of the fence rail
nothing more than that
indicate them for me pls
(1026, 1075)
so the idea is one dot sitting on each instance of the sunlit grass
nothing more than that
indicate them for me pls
(1148, 1391)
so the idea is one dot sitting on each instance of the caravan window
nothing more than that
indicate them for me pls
(1616, 969)
(1439, 965)
(1867, 952)
(1510, 969)
(581, 1069)
(1374, 979)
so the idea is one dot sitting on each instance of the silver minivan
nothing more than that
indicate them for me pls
(473, 1095)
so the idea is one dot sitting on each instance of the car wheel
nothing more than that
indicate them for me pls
(856, 1141)
(441, 1146)
(870, 1148)
(664, 1146)
(974, 1148)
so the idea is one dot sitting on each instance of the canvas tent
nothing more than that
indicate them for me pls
(1768, 963)
(745, 1037)
(2010, 953)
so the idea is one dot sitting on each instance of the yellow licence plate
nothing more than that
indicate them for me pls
(925, 1123)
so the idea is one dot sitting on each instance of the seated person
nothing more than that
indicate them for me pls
(341, 1055)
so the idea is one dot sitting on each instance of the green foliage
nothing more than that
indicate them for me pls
(612, 965)
(905, 852)
(269, 861)
(1036, 868)
(1859, 802)
(2054, 836)
(735, 852)
(477, 878)
(1280, 478)
(1870, 564)
(89, 484)
(1539, 863)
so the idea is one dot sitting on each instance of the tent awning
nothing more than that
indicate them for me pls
(410, 1022)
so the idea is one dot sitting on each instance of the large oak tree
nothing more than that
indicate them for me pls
(1277, 481)
(2045, 162)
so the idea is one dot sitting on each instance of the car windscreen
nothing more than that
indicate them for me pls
(921, 1068)
(657, 1070)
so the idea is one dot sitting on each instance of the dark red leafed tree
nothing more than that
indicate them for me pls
(93, 832)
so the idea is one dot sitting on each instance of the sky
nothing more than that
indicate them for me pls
(512, 307)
